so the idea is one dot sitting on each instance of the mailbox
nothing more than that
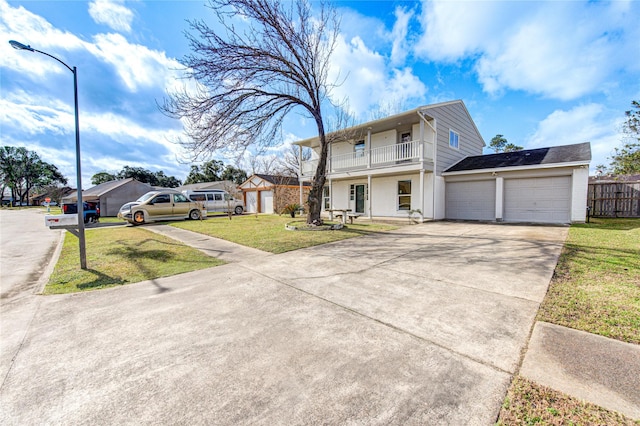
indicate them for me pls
(61, 220)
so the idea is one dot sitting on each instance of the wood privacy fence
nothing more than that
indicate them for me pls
(614, 199)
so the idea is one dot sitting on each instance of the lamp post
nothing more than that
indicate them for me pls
(81, 239)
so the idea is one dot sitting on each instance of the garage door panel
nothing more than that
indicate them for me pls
(471, 200)
(544, 199)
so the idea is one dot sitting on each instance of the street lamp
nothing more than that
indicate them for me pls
(80, 235)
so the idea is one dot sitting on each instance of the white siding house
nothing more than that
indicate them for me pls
(386, 167)
(430, 160)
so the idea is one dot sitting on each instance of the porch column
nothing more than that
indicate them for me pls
(368, 147)
(369, 192)
(330, 199)
(300, 162)
(301, 193)
(421, 194)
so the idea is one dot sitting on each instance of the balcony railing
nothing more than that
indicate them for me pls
(389, 156)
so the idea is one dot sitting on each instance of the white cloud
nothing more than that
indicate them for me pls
(111, 13)
(585, 123)
(136, 65)
(367, 80)
(561, 50)
(400, 48)
(21, 25)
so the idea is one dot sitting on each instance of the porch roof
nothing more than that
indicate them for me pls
(379, 125)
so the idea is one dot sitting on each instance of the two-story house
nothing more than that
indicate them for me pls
(401, 165)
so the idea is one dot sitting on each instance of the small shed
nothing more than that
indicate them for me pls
(113, 194)
(264, 193)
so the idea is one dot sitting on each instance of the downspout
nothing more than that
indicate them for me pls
(434, 127)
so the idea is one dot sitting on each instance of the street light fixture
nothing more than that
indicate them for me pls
(81, 240)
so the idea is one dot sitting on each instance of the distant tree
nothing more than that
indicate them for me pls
(102, 177)
(210, 171)
(166, 181)
(626, 159)
(23, 171)
(147, 176)
(253, 79)
(234, 174)
(500, 144)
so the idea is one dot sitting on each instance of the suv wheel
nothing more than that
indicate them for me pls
(238, 210)
(194, 214)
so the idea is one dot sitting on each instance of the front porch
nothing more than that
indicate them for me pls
(397, 155)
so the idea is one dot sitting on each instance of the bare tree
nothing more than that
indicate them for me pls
(250, 80)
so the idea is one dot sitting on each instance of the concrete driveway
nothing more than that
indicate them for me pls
(424, 325)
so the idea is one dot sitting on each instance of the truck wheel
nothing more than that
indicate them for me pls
(138, 218)
(238, 210)
(194, 214)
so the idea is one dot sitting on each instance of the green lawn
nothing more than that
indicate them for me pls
(268, 233)
(596, 284)
(122, 255)
(595, 288)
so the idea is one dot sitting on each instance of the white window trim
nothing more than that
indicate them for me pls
(398, 195)
(458, 137)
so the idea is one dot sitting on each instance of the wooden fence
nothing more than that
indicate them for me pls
(614, 199)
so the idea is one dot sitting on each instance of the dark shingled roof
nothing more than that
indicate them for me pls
(282, 180)
(529, 157)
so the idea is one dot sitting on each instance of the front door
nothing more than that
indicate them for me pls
(360, 196)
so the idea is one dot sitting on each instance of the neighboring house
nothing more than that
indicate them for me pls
(55, 195)
(270, 193)
(112, 195)
(393, 167)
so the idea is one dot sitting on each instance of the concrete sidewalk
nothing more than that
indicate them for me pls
(605, 372)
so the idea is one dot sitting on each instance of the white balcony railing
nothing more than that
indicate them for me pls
(389, 155)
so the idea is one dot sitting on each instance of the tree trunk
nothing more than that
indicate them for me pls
(315, 194)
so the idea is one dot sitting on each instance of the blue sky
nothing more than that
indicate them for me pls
(542, 73)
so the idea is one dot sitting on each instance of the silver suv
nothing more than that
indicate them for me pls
(160, 205)
(216, 200)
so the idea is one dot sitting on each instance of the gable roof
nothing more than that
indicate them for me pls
(577, 153)
(103, 188)
(277, 180)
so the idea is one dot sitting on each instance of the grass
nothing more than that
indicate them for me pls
(596, 284)
(595, 288)
(122, 255)
(528, 403)
(267, 232)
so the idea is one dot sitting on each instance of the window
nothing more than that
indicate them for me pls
(198, 197)
(179, 198)
(161, 199)
(404, 195)
(359, 148)
(326, 198)
(454, 139)
(218, 197)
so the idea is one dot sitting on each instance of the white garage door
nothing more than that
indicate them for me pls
(546, 199)
(471, 200)
(266, 202)
(252, 202)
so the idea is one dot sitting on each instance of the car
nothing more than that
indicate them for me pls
(160, 205)
(216, 200)
(91, 210)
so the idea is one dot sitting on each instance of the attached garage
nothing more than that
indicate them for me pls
(546, 185)
(538, 199)
(472, 200)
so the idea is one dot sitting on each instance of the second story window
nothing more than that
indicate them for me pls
(359, 148)
(454, 139)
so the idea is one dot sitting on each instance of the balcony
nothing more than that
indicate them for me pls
(381, 157)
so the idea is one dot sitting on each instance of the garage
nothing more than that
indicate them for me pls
(473, 200)
(539, 199)
(251, 203)
(544, 185)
